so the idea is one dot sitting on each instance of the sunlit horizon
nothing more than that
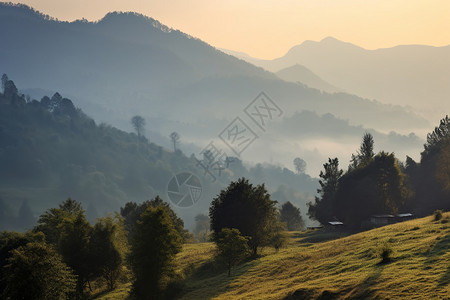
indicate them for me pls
(268, 29)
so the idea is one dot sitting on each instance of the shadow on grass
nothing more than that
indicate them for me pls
(445, 279)
(361, 291)
(439, 249)
(364, 290)
(319, 236)
(211, 279)
(122, 291)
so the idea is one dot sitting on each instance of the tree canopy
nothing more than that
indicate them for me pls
(290, 214)
(323, 208)
(247, 208)
(154, 245)
(36, 271)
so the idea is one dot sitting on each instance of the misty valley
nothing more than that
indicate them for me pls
(139, 162)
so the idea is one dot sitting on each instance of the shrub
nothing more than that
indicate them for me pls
(438, 214)
(232, 247)
(385, 252)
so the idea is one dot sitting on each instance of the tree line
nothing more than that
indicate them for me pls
(381, 184)
(65, 257)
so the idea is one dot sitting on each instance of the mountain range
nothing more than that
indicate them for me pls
(127, 64)
(408, 75)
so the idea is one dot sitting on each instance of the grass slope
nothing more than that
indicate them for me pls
(320, 265)
(343, 268)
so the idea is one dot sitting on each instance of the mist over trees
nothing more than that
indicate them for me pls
(290, 215)
(300, 165)
(58, 151)
(159, 65)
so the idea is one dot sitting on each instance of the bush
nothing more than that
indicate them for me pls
(438, 214)
(385, 252)
(232, 247)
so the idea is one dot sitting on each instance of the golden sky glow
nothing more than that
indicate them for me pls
(268, 29)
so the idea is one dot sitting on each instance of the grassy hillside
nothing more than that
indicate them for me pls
(319, 265)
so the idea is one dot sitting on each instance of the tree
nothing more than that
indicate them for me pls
(232, 247)
(439, 135)
(175, 138)
(138, 123)
(36, 271)
(202, 225)
(10, 90)
(247, 208)
(132, 212)
(322, 209)
(74, 248)
(154, 246)
(365, 154)
(9, 241)
(50, 222)
(433, 179)
(377, 188)
(300, 165)
(290, 215)
(108, 247)
(65, 107)
(4, 81)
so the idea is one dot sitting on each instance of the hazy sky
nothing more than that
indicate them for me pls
(267, 28)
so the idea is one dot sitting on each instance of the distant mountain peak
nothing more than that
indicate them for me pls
(330, 39)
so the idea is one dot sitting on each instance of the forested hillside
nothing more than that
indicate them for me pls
(50, 150)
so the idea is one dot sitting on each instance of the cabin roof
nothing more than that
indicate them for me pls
(334, 223)
(382, 216)
(405, 215)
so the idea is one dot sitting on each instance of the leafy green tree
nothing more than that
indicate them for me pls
(108, 247)
(290, 215)
(10, 240)
(74, 248)
(132, 212)
(154, 246)
(278, 236)
(50, 222)
(36, 271)
(232, 247)
(322, 209)
(300, 165)
(247, 208)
